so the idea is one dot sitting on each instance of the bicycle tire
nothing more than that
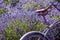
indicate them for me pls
(33, 33)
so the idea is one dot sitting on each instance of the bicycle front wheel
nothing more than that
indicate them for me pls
(34, 35)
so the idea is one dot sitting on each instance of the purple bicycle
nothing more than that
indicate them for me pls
(46, 33)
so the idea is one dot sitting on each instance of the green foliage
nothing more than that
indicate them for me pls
(2, 10)
(37, 26)
(9, 1)
(36, 5)
(26, 5)
(6, 2)
(22, 25)
(10, 32)
(57, 0)
(55, 17)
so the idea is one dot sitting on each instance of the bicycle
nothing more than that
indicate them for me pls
(45, 34)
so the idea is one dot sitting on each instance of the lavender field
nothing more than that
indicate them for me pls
(18, 17)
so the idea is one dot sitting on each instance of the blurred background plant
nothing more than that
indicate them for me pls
(57, 0)
(2, 10)
(6, 2)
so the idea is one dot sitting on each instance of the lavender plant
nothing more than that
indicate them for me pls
(14, 28)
